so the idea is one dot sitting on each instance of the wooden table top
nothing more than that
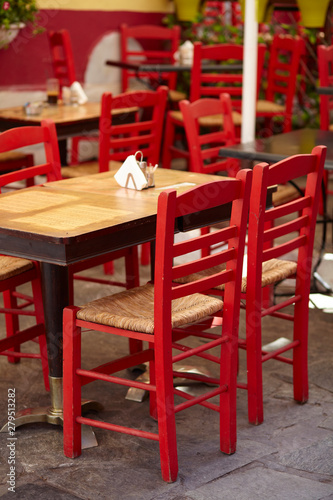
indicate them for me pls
(325, 90)
(92, 214)
(60, 113)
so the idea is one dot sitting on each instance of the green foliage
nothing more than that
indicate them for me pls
(306, 110)
(16, 11)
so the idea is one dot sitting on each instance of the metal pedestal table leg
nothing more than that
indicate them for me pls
(55, 296)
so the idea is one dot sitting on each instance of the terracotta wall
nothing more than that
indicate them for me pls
(26, 63)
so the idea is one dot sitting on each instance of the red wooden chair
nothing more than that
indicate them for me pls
(157, 311)
(325, 67)
(159, 45)
(33, 135)
(16, 271)
(62, 60)
(143, 133)
(210, 84)
(284, 61)
(272, 234)
(16, 160)
(204, 144)
(62, 57)
(141, 130)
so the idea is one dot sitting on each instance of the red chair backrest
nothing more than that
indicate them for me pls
(212, 84)
(143, 132)
(62, 57)
(204, 144)
(274, 232)
(161, 44)
(284, 61)
(214, 195)
(325, 67)
(21, 137)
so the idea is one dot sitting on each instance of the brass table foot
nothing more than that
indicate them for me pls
(138, 395)
(47, 415)
(54, 414)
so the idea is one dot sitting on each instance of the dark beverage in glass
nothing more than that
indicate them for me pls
(52, 97)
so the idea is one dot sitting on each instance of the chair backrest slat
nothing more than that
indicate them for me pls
(217, 195)
(20, 137)
(62, 58)
(325, 67)
(159, 45)
(141, 128)
(284, 61)
(205, 84)
(204, 146)
(276, 232)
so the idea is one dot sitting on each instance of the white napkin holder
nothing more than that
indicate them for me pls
(77, 93)
(130, 175)
(136, 174)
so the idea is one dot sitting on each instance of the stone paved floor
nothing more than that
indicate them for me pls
(289, 456)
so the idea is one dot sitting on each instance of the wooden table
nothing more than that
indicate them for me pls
(159, 69)
(175, 68)
(325, 90)
(277, 147)
(70, 221)
(70, 121)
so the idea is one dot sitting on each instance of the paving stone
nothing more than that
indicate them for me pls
(264, 484)
(315, 458)
(37, 492)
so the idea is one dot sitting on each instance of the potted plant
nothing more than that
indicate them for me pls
(14, 14)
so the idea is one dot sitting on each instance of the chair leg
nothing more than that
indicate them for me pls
(166, 414)
(72, 384)
(300, 355)
(168, 142)
(132, 281)
(228, 399)
(75, 151)
(109, 267)
(12, 321)
(254, 362)
(145, 254)
(152, 394)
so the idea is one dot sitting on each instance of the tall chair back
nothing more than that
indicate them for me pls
(205, 144)
(144, 133)
(280, 246)
(284, 61)
(62, 57)
(21, 137)
(15, 271)
(210, 84)
(325, 67)
(159, 45)
(213, 83)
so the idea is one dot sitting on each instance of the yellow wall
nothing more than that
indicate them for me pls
(109, 5)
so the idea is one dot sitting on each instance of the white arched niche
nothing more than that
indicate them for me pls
(100, 77)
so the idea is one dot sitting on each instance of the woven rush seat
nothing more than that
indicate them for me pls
(134, 309)
(12, 156)
(86, 169)
(176, 95)
(210, 121)
(273, 270)
(284, 193)
(264, 106)
(12, 266)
